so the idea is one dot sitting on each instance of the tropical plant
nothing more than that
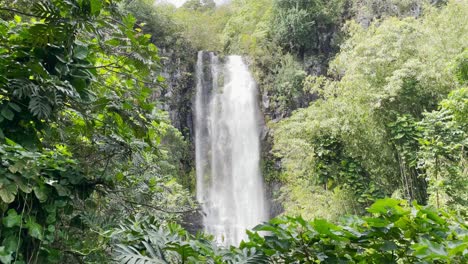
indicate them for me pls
(384, 84)
(393, 233)
(443, 154)
(77, 123)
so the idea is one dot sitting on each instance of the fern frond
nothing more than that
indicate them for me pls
(68, 91)
(46, 10)
(40, 107)
(130, 255)
(23, 88)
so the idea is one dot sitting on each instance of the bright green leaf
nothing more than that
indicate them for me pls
(12, 219)
(41, 193)
(34, 229)
(8, 192)
(5, 256)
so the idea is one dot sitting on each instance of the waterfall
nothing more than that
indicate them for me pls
(227, 148)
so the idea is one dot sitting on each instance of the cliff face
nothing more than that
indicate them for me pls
(179, 91)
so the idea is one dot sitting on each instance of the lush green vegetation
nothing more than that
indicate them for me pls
(364, 100)
(393, 233)
(83, 145)
(378, 128)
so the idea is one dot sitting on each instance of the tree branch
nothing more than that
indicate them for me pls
(111, 65)
(17, 11)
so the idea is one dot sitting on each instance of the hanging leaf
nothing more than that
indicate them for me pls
(40, 107)
(8, 191)
(41, 193)
(12, 219)
(7, 113)
(5, 256)
(34, 229)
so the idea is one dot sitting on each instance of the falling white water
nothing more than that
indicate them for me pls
(229, 183)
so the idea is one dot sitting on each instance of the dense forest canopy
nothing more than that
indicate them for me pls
(364, 149)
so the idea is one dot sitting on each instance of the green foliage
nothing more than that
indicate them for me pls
(387, 76)
(288, 92)
(199, 5)
(37, 188)
(82, 142)
(365, 11)
(443, 152)
(461, 68)
(284, 40)
(247, 28)
(146, 239)
(177, 60)
(296, 25)
(405, 133)
(201, 23)
(393, 233)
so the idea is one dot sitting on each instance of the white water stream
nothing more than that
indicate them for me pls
(229, 183)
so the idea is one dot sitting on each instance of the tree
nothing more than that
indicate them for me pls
(199, 5)
(77, 121)
(297, 26)
(387, 76)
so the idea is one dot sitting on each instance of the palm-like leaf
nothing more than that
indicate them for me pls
(246, 256)
(130, 255)
(46, 10)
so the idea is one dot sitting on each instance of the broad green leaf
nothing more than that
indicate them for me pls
(51, 228)
(17, 19)
(129, 21)
(432, 215)
(430, 250)
(7, 113)
(41, 193)
(34, 229)
(12, 219)
(119, 177)
(113, 42)
(61, 190)
(96, 6)
(10, 142)
(8, 192)
(5, 256)
(54, 255)
(389, 246)
(457, 247)
(382, 206)
(80, 52)
(11, 242)
(16, 167)
(14, 106)
(377, 222)
(23, 186)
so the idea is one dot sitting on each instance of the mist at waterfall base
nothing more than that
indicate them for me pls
(227, 148)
